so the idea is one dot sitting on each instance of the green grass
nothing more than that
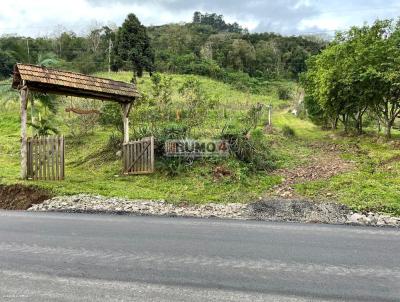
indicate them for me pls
(87, 172)
(372, 185)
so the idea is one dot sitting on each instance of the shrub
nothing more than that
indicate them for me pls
(174, 166)
(111, 116)
(44, 127)
(114, 143)
(253, 116)
(314, 111)
(284, 93)
(196, 102)
(288, 131)
(251, 148)
(242, 81)
(168, 132)
(162, 91)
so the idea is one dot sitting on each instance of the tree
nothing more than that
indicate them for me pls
(268, 59)
(197, 17)
(7, 61)
(357, 72)
(241, 55)
(133, 45)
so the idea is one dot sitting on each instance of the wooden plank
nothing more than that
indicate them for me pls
(52, 156)
(123, 158)
(32, 142)
(133, 159)
(34, 158)
(35, 141)
(152, 154)
(57, 154)
(24, 106)
(128, 151)
(131, 156)
(62, 157)
(28, 162)
(127, 156)
(44, 158)
(39, 155)
(47, 157)
(146, 160)
(140, 157)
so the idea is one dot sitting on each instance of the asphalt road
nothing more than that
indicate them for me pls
(68, 257)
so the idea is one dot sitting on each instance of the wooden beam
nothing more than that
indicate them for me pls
(32, 109)
(126, 108)
(68, 91)
(24, 148)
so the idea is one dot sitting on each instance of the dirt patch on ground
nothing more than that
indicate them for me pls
(20, 197)
(319, 167)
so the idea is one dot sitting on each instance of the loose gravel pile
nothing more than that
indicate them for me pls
(266, 210)
(98, 204)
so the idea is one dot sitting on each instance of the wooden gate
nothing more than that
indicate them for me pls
(45, 158)
(138, 156)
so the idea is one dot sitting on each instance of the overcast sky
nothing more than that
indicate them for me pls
(46, 17)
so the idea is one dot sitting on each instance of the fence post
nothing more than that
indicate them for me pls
(270, 115)
(24, 149)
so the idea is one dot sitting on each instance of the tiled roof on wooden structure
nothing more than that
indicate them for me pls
(47, 80)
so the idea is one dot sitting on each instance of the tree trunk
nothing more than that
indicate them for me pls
(335, 123)
(346, 123)
(359, 124)
(126, 108)
(388, 129)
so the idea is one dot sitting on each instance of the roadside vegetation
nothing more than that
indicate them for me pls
(334, 135)
(291, 143)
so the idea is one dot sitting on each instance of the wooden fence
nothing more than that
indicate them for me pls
(138, 156)
(46, 158)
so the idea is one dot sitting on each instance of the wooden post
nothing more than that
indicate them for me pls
(24, 149)
(152, 153)
(270, 115)
(32, 110)
(126, 108)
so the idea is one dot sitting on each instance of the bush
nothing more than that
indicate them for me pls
(314, 111)
(284, 93)
(168, 132)
(174, 166)
(196, 103)
(242, 81)
(251, 148)
(114, 143)
(288, 131)
(111, 116)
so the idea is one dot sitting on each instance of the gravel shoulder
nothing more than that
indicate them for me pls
(266, 210)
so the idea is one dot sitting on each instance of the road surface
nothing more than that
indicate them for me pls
(76, 257)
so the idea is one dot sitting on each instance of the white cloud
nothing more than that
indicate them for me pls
(40, 17)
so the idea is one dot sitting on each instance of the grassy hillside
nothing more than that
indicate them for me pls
(88, 171)
(308, 161)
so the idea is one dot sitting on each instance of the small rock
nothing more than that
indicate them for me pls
(355, 218)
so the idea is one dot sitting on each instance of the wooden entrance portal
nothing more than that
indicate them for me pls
(28, 78)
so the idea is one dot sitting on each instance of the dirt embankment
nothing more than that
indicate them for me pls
(20, 197)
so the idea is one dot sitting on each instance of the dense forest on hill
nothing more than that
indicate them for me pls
(206, 46)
